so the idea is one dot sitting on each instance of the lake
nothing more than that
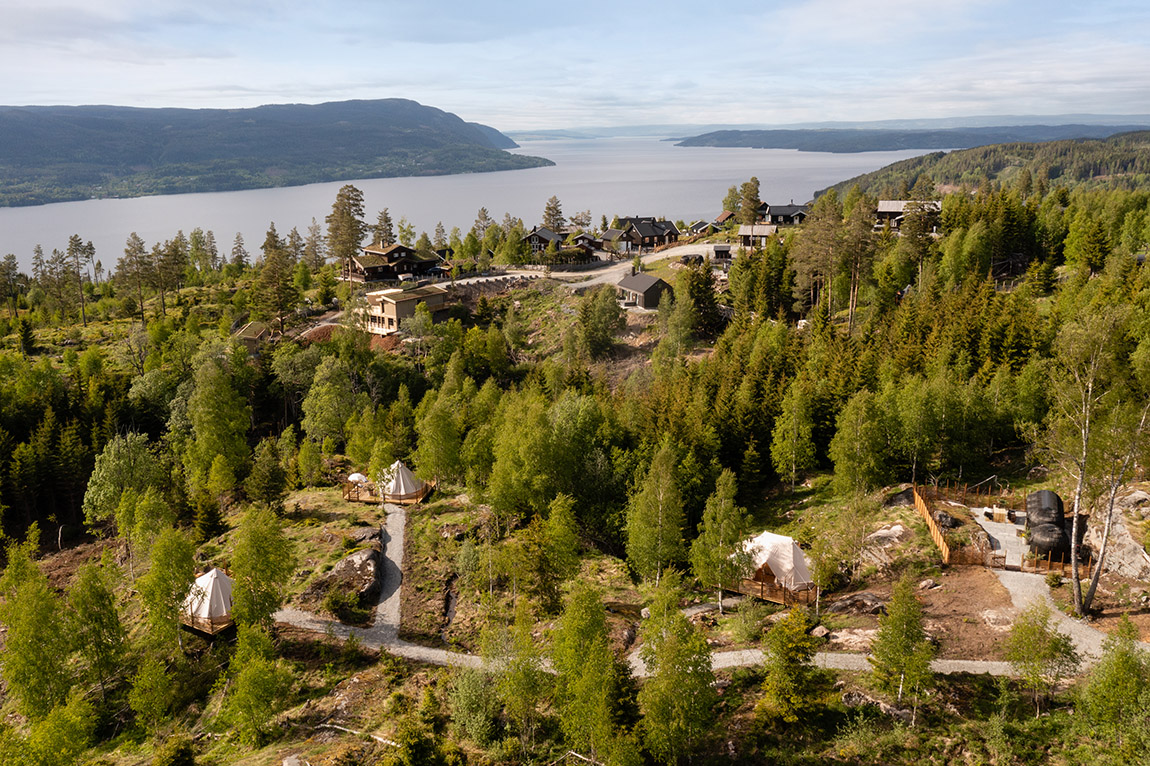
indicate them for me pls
(610, 176)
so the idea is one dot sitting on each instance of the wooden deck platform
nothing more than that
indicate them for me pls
(356, 493)
(775, 593)
(207, 627)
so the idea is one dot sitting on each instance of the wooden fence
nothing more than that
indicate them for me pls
(977, 496)
(923, 508)
(978, 556)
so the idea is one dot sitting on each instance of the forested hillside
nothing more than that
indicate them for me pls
(57, 153)
(893, 139)
(1117, 162)
(595, 470)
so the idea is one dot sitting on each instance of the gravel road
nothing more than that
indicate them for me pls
(383, 634)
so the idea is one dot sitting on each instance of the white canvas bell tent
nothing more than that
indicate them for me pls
(400, 484)
(208, 605)
(781, 557)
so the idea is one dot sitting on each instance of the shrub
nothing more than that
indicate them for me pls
(176, 751)
(474, 705)
(747, 624)
(1054, 580)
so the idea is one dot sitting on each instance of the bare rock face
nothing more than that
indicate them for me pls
(363, 534)
(903, 497)
(858, 603)
(857, 699)
(853, 639)
(1124, 556)
(880, 546)
(359, 573)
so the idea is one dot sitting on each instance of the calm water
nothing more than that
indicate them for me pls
(617, 176)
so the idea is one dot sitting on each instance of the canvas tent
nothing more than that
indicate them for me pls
(779, 558)
(400, 484)
(208, 605)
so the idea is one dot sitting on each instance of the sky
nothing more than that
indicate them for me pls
(531, 64)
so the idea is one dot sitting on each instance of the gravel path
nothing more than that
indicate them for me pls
(1027, 587)
(383, 634)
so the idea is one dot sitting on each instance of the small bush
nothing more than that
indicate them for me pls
(1054, 580)
(747, 624)
(344, 606)
(176, 751)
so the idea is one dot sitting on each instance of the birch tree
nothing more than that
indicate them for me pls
(717, 554)
(1086, 363)
(655, 519)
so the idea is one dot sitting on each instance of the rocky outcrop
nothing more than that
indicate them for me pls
(858, 699)
(1124, 556)
(357, 574)
(858, 603)
(879, 547)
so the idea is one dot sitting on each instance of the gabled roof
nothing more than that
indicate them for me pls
(649, 227)
(544, 233)
(253, 331)
(640, 283)
(724, 216)
(612, 234)
(791, 209)
(390, 251)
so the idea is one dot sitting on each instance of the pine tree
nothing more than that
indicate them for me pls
(788, 654)
(792, 442)
(266, 485)
(553, 214)
(749, 201)
(315, 248)
(345, 225)
(239, 253)
(275, 291)
(134, 268)
(383, 231)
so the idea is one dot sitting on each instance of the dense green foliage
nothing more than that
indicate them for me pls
(1121, 161)
(571, 467)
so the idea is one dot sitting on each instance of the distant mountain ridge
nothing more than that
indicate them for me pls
(58, 153)
(845, 140)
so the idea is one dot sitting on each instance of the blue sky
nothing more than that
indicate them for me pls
(517, 64)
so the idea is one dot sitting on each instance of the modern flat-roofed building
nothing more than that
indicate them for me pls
(387, 309)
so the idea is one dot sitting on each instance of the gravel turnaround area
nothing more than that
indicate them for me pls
(1027, 587)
